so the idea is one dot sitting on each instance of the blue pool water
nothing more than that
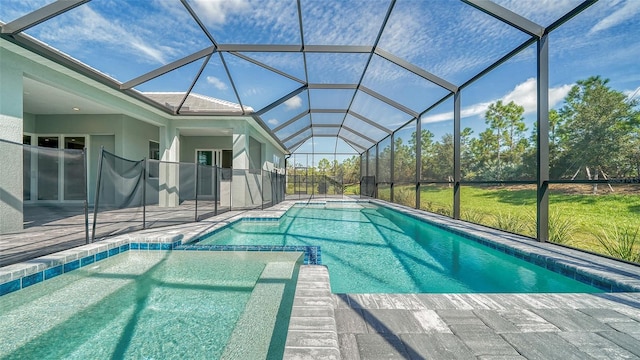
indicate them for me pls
(155, 305)
(371, 249)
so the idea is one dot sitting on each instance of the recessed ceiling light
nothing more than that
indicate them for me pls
(76, 109)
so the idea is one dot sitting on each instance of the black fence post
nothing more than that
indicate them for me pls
(86, 196)
(144, 193)
(96, 202)
(197, 187)
(216, 181)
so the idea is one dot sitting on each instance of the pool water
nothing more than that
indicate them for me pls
(371, 249)
(155, 305)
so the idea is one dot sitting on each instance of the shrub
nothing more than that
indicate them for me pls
(473, 216)
(405, 196)
(510, 222)
(561, 229)
(444, 210)
(620, 243)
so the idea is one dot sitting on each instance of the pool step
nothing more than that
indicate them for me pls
(312, 327)
(252, 335)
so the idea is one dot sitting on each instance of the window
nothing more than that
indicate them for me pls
(154, 150)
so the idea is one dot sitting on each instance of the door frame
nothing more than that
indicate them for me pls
(34, 167)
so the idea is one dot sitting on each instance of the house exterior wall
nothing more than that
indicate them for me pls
(127, 131)
(189, 144)
(120, 134)
(11, 160)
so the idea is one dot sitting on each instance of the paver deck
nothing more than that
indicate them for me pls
(460, 326)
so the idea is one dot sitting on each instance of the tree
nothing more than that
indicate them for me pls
(504, 140)
(404, 161)
(596, 124)
(466, 156)
(426, 150)
(324, 165)
(351, 170)
(384, 161)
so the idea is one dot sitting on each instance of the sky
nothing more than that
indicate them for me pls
(446, 38)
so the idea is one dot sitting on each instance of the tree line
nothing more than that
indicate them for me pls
(594, 135)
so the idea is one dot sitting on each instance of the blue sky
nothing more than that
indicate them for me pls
(447, 38)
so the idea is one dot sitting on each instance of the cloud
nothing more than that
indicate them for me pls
(251, 91)
(273, 121)
(628, 10)
(524, 94)
(342, 22)
(632, 94)
(259, 21)
(293, 103)
(216, 12)
(542, 12)
(89, 28)
(216, 83)
(155, 54)
(467, 40)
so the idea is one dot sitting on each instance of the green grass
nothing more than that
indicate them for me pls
(577, 218)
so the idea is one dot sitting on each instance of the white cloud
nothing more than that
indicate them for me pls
(628, 10)
(153, 53)
(342, 22)
(252, 91)
(293, 103)
(265, 21)
(273, 121)
(465, 40)
(216, 12)
(216, 83)
(524, 94)
(87, 26)
(632, 94)
(539, 10)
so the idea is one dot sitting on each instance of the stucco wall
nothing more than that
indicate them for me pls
(11, 155)
(189, 144)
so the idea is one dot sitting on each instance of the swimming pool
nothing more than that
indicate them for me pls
(155, 304)
(374, 249)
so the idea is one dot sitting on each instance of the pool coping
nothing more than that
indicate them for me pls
(601, 272)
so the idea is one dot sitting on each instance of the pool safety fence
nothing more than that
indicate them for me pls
(43, 197)
(141, 194)
(51, 200)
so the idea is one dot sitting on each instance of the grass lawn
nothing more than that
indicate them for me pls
(581, 212)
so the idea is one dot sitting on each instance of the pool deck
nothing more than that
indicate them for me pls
(459, 326)
(437, 326)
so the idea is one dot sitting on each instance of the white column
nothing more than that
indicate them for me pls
(169, 174)
(11, 162)
(240, 197)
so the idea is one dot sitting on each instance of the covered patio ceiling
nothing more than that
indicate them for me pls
(353, 71)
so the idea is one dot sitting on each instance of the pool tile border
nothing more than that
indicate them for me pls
(19, 276)
(312, 254)
(605, 274)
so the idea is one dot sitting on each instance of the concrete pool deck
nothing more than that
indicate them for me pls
(437, 326)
